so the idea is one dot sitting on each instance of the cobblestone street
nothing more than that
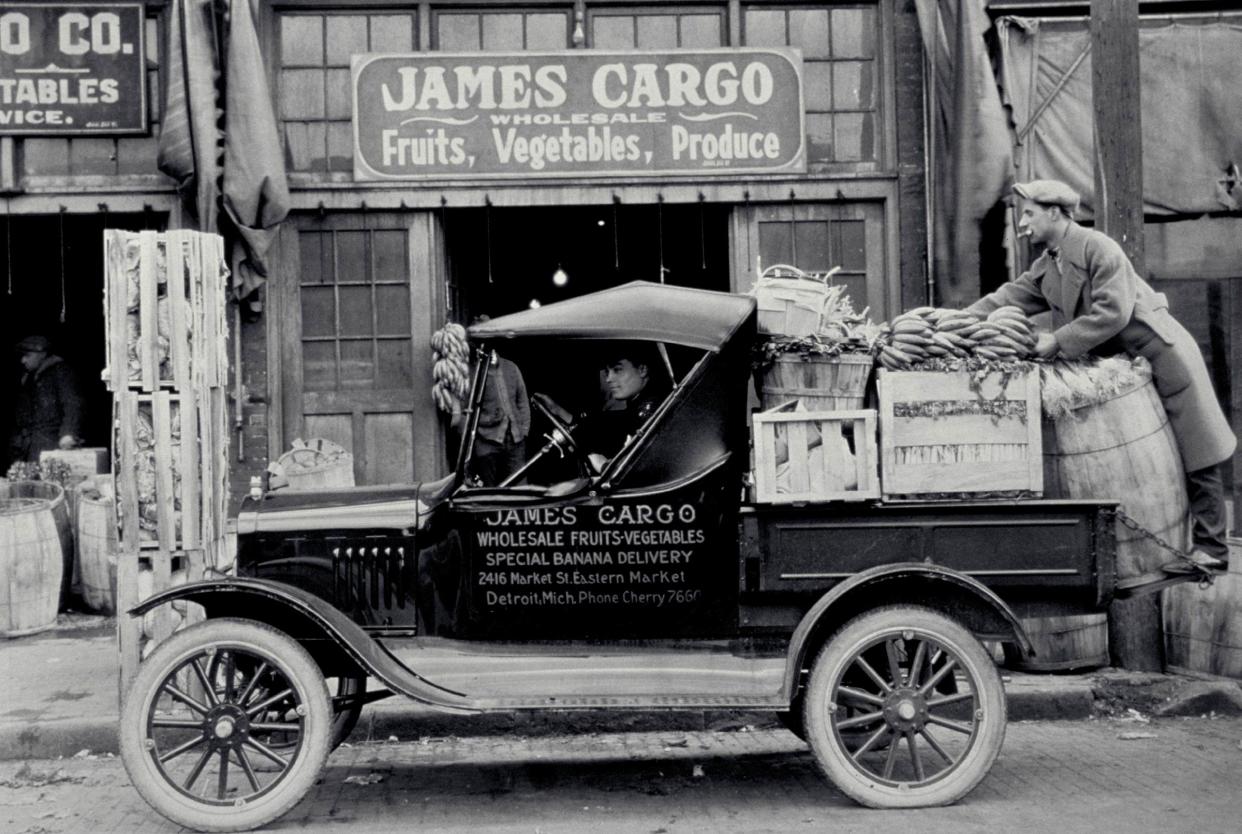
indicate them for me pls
(1175, 775)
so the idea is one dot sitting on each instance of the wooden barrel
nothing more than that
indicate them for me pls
(1203, 626)
(820, 383)
(30, 566)
(1062, 644)
(97, 549)
(58, 505)
(1120, 447)
(1123, 448)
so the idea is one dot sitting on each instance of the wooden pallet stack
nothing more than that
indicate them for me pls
(167, 349)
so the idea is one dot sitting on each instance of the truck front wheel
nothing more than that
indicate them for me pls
(904, 709)
(196, 725)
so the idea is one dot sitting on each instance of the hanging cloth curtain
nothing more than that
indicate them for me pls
(1190, 75)
(189, 141)
(256, 191)
(972, 164)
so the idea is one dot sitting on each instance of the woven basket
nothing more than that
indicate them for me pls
(820, 383)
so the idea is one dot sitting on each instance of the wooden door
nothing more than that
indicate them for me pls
(355, 323)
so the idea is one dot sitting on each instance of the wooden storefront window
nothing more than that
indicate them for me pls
(658, 28)
(498, 30)
(109, 156)
(315, 95)
(841, 71)
(355, 310)
(818, 237)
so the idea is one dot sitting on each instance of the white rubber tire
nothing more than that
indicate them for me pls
(280, 651)
(838, 654)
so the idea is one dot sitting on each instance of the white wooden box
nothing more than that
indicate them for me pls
(815, 456)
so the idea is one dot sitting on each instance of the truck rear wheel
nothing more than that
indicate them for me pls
(195, 723)
(904, 709)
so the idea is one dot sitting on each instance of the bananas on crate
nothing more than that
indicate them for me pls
(451, 368)
(928, 333)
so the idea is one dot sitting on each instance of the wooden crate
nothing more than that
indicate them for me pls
(946, 433)
(820, 467)
(167, 345)
(164, 301)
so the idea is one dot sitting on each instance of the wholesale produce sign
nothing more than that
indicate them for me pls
(578, 114)
(72, 68)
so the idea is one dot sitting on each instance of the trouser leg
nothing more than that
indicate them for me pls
(1206, 492)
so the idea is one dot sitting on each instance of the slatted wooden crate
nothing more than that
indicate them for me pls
(165, 303)
(828, 456)
(167, 343)
(946, 433)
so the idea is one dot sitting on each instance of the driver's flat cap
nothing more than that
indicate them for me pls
(1048, 193)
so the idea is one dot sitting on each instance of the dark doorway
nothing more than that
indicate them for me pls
(500, 260)
(51, 269)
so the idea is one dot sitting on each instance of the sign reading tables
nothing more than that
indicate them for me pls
(579, 113)
(72, 68)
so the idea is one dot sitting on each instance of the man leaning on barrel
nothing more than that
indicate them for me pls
(1100, 305)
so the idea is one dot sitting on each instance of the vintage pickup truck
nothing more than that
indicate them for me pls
(648, 583)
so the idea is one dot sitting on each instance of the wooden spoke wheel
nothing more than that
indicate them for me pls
(347, 701)
(904, 709)
(199, 721)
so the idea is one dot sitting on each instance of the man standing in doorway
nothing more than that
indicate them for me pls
(1100, 305)
(48, 407)
(504, 421)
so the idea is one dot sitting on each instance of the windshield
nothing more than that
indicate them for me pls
(549, 412)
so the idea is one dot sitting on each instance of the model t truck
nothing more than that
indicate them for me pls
(648, 582)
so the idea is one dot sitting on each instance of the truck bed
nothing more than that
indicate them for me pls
(1039, 555)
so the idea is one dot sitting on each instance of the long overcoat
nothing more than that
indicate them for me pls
(48, 407)
(1101, 306)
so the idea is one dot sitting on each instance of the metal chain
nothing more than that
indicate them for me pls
(1205, 575)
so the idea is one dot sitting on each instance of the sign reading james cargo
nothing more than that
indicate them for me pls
(578, 114)
(72, 68)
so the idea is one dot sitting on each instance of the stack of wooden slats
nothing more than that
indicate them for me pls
(167, 348)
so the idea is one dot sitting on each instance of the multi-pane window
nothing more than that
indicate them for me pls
(104, 155)
(355, 309)
(501, 30)
(651, 28)
(315, 95)
(817, 237)
(840, 74)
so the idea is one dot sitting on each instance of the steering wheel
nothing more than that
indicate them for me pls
(562, 436)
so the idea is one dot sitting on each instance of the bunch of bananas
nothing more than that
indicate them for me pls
(451, 368)
(908, 342)
(1006, 334)
(934, 332)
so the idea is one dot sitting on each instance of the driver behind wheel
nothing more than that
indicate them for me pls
(629, 381)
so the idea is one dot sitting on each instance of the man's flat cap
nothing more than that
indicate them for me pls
(1049, 193)
(33, 344)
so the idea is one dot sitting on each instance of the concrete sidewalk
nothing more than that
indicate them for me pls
(59, 696)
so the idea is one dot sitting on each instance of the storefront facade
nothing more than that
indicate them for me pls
(357, 254)
(365, 269)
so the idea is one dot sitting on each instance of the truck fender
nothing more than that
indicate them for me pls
(912, 583)
(311, 621)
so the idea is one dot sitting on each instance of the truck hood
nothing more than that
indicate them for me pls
(399, 508)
